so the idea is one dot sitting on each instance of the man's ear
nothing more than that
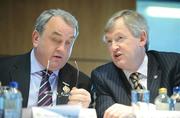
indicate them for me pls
(35, 38)
(143, 38)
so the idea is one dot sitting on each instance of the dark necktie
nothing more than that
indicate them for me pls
(135, 77)
(44, 99)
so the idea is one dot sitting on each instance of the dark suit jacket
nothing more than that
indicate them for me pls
(17, 68)
(112, 85)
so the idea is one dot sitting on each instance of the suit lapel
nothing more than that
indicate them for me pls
(126, 84)
(154, 77)
(65, 77)
(121, 84)
(20, 72)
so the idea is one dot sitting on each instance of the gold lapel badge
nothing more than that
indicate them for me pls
(66, 89)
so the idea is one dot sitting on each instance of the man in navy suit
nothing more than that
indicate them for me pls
(53, 38)
(126, 36)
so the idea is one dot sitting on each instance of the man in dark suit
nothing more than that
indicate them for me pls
(53, 38)
(126, 36)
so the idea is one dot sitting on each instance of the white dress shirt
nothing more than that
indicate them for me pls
(143, 69)
(35, 82)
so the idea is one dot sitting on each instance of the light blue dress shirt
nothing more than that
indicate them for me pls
(35, 81)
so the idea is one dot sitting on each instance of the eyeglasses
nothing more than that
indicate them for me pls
(77, 75)
(66, 89)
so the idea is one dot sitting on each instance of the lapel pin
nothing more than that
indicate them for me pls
(66, 89)
(155, 76)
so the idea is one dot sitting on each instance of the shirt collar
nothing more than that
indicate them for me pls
(36, 66)
(142, 69)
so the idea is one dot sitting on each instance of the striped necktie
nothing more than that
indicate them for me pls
(135, 77)
(44, 99)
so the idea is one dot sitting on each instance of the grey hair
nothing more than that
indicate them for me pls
(135, 22)
(48, 14)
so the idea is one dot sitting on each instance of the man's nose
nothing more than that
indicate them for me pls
(114, 45)
(61, 47)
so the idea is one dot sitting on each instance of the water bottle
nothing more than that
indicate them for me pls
(1, 102)
(162, 101)
(140, 99)
(176, 98)
(13, 102)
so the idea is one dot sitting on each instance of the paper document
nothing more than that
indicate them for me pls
(61, 111)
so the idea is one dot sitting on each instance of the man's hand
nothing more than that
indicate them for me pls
(119, 111)
(79, 96)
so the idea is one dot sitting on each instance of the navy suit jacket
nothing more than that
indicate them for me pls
(112, 86)
(17, 68)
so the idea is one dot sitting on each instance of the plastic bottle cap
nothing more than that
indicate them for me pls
(162, 90)
(176, 89)
(13, 84)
